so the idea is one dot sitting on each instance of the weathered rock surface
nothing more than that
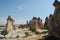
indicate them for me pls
(54, 20)
(36, 22)
(10, 24)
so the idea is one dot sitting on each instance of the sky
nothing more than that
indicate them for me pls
(23, 10)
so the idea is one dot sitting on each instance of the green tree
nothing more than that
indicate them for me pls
(4, 32)
(26, 33)
(22, 26)
(33, 29)
(47, 27)
(46, 24)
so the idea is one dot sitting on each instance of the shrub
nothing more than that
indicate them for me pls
(17, 36)
(4, 32)
(26, 33)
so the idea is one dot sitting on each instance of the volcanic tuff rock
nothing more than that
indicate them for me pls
(36, 22)
(54, 20)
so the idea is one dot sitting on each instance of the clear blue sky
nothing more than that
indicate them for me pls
(22, 10)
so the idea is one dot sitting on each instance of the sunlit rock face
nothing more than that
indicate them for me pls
(55, 20)
(36, 22)
(10, 24)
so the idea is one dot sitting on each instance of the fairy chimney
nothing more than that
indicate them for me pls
(55, 20)
(10, 23)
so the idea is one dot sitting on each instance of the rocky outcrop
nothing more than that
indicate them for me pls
(10, 24)
(54, 20)
(36, 22)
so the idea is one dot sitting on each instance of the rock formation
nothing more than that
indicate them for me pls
(10, 24)
(36, 22)
(54, 20)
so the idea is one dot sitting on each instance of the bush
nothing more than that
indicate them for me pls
(26, 33)
(4, 32)
(46, 27)
(17, 36)
(22, 26)
(32, 29)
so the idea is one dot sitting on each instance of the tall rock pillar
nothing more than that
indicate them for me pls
(10, 24)
(55, 20)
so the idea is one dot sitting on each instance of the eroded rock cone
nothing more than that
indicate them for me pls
(55, 20)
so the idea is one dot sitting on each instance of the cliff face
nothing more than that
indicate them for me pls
(54, 20)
